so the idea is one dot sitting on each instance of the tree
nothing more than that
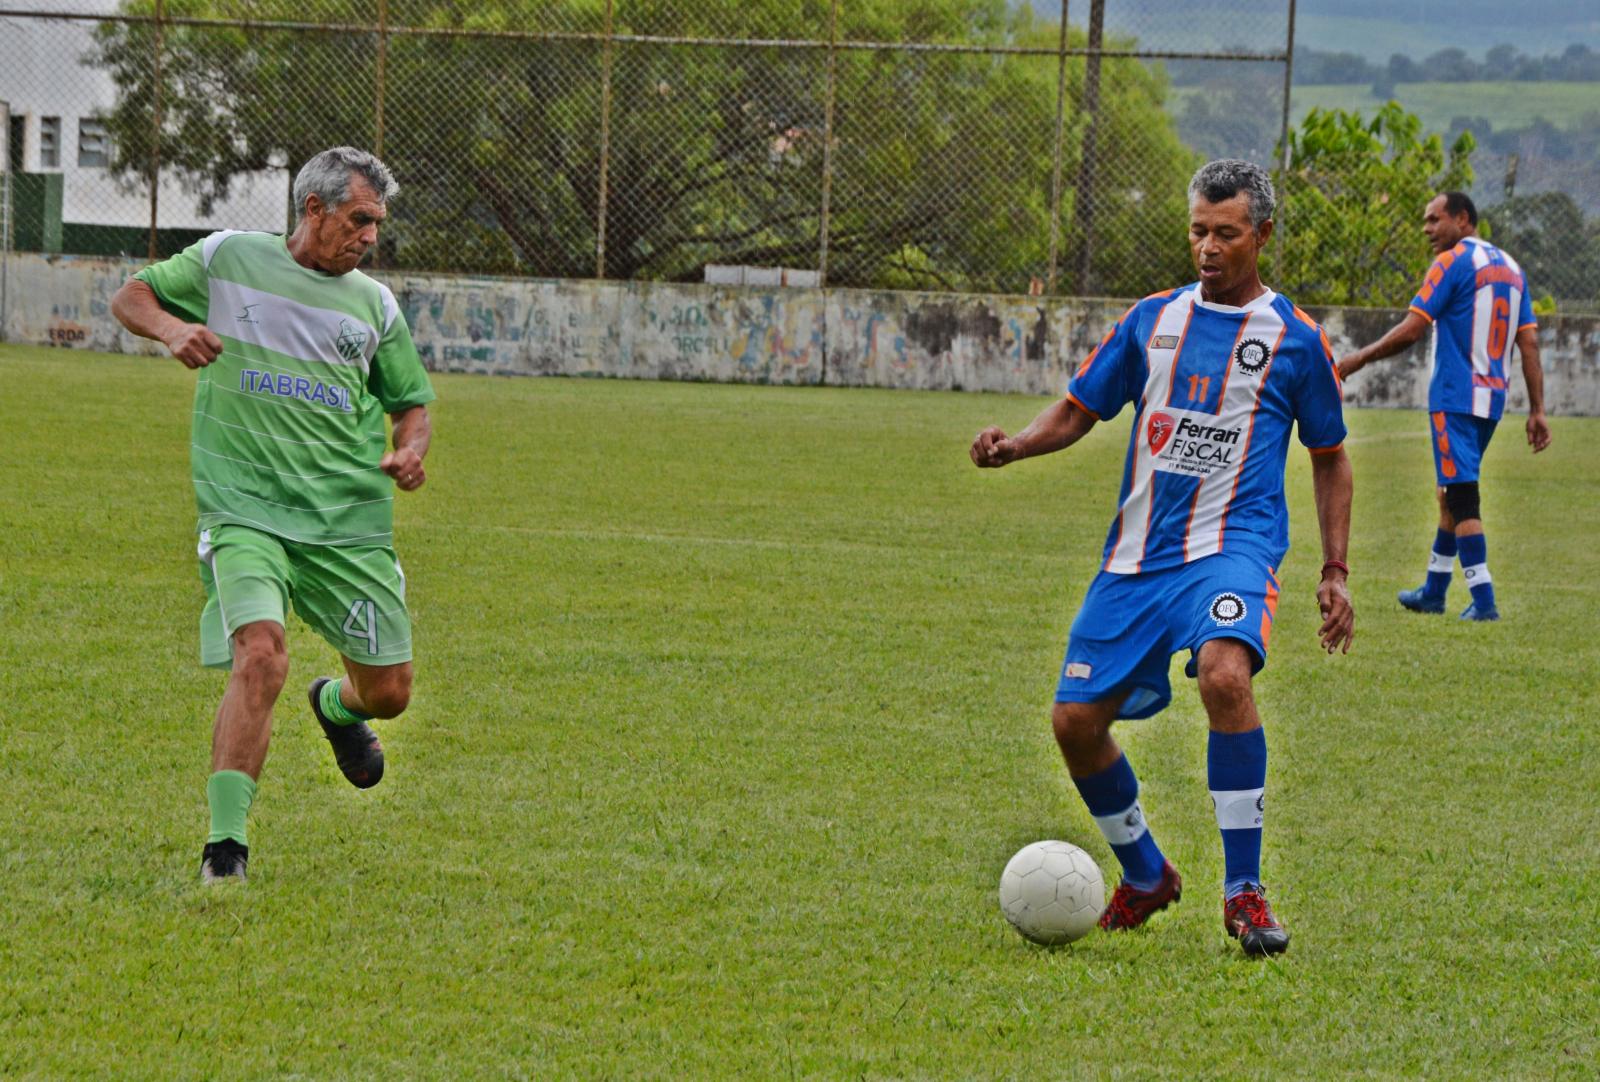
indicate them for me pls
(1559, 250)
(1354, 197)
(942, 161)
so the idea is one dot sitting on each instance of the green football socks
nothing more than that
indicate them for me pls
(333, 707)
(229, 792)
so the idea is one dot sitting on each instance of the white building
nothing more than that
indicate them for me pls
(54, 99)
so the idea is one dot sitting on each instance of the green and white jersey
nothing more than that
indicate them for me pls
(289, 421)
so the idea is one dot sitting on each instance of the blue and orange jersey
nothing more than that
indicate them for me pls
(1476, 297)
(1216, 390)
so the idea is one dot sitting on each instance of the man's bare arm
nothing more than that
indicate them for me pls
(413, 432)
(1533, 376)
(1402, 336)
(137, 308)
(1334, 486)
(1058, 427)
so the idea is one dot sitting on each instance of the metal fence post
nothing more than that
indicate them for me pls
(1055, 167)
(377, 101)
(1091, 106)
(155, 129)
(1282, 224)
(602, 195)
(824, 222)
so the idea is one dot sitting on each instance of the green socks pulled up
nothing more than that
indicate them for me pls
(230, 793)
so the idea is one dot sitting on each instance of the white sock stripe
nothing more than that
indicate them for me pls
(1438, 561)
(1477, 575)
(1239, 809)
(1125, 827)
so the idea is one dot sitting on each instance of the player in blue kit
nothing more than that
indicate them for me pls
(1472, 297)
(1217, 372)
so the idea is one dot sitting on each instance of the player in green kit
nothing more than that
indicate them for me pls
(299, 355)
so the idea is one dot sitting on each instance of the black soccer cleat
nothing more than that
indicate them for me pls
(355, 747)
(223, 860)
(1130, 907)
(1248, 918)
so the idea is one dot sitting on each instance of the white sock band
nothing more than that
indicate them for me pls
(1125, 827)
(1438, 561)
(1477, 575)
(1239, 809)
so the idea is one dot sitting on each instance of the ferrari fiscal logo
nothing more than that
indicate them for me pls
(352, 341)
(1252, 355)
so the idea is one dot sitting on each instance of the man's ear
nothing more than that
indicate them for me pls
(1264, 233)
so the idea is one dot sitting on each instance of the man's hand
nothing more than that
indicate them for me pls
(992, 448)
(1338, 614)
(405, 466)
(1348, 366)
(194, 345)
(1538, 432)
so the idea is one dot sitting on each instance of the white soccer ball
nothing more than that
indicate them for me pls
(1052, 892)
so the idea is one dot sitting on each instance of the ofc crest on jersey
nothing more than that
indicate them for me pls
(1252, 355)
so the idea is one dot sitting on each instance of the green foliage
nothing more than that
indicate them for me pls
(1558, 248)
(715, 759)
(716, 152)
(1354, 194)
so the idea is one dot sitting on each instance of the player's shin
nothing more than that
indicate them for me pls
(1441, 561)
(1112, 796)
(230, 794)
(1236, 770)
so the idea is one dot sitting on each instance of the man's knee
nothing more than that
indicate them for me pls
(387, 692)
(1461, 500)
(1080, 725)
(1224, 669)
(260, 654)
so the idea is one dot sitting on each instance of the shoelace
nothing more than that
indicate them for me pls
(1254, 908)
(1118, 910)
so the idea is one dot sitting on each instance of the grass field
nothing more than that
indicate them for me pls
(1504, 105)
(731, 706)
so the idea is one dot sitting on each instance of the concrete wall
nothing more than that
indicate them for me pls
(838, 337)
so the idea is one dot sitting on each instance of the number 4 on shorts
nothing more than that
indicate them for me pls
(362, 623)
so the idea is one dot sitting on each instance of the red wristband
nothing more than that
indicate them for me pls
(1340, 564)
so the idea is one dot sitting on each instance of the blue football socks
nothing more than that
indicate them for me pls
(1475, 569)
(1236, 770)
(1113, 799)
(1440, 564)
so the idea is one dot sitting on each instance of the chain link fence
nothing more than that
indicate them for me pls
(958, 145)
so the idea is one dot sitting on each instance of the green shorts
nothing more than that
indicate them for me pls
(352, 595)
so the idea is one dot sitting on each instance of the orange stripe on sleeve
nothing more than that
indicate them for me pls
(1421, 313)
(1525, 326)
(1326, 450)
(1076, 401)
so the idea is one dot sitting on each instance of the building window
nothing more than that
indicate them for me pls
(94, 144)
(49, 142)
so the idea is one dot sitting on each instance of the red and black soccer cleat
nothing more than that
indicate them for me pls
(1249, 919)
(1130, 907)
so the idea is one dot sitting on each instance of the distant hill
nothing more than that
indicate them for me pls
(1375, 29)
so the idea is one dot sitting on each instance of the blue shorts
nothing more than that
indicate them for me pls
(1130, 626)
(1459, 440)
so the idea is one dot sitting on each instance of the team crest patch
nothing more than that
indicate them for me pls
(1252, 355)
(1164, 341)
(352, 341)
(1077, 670)
(1227, 609)
(1159, 431)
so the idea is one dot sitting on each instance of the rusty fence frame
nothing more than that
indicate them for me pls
(1094, 53)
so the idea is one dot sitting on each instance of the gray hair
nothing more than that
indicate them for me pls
(1225, 178)
(327, 176)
